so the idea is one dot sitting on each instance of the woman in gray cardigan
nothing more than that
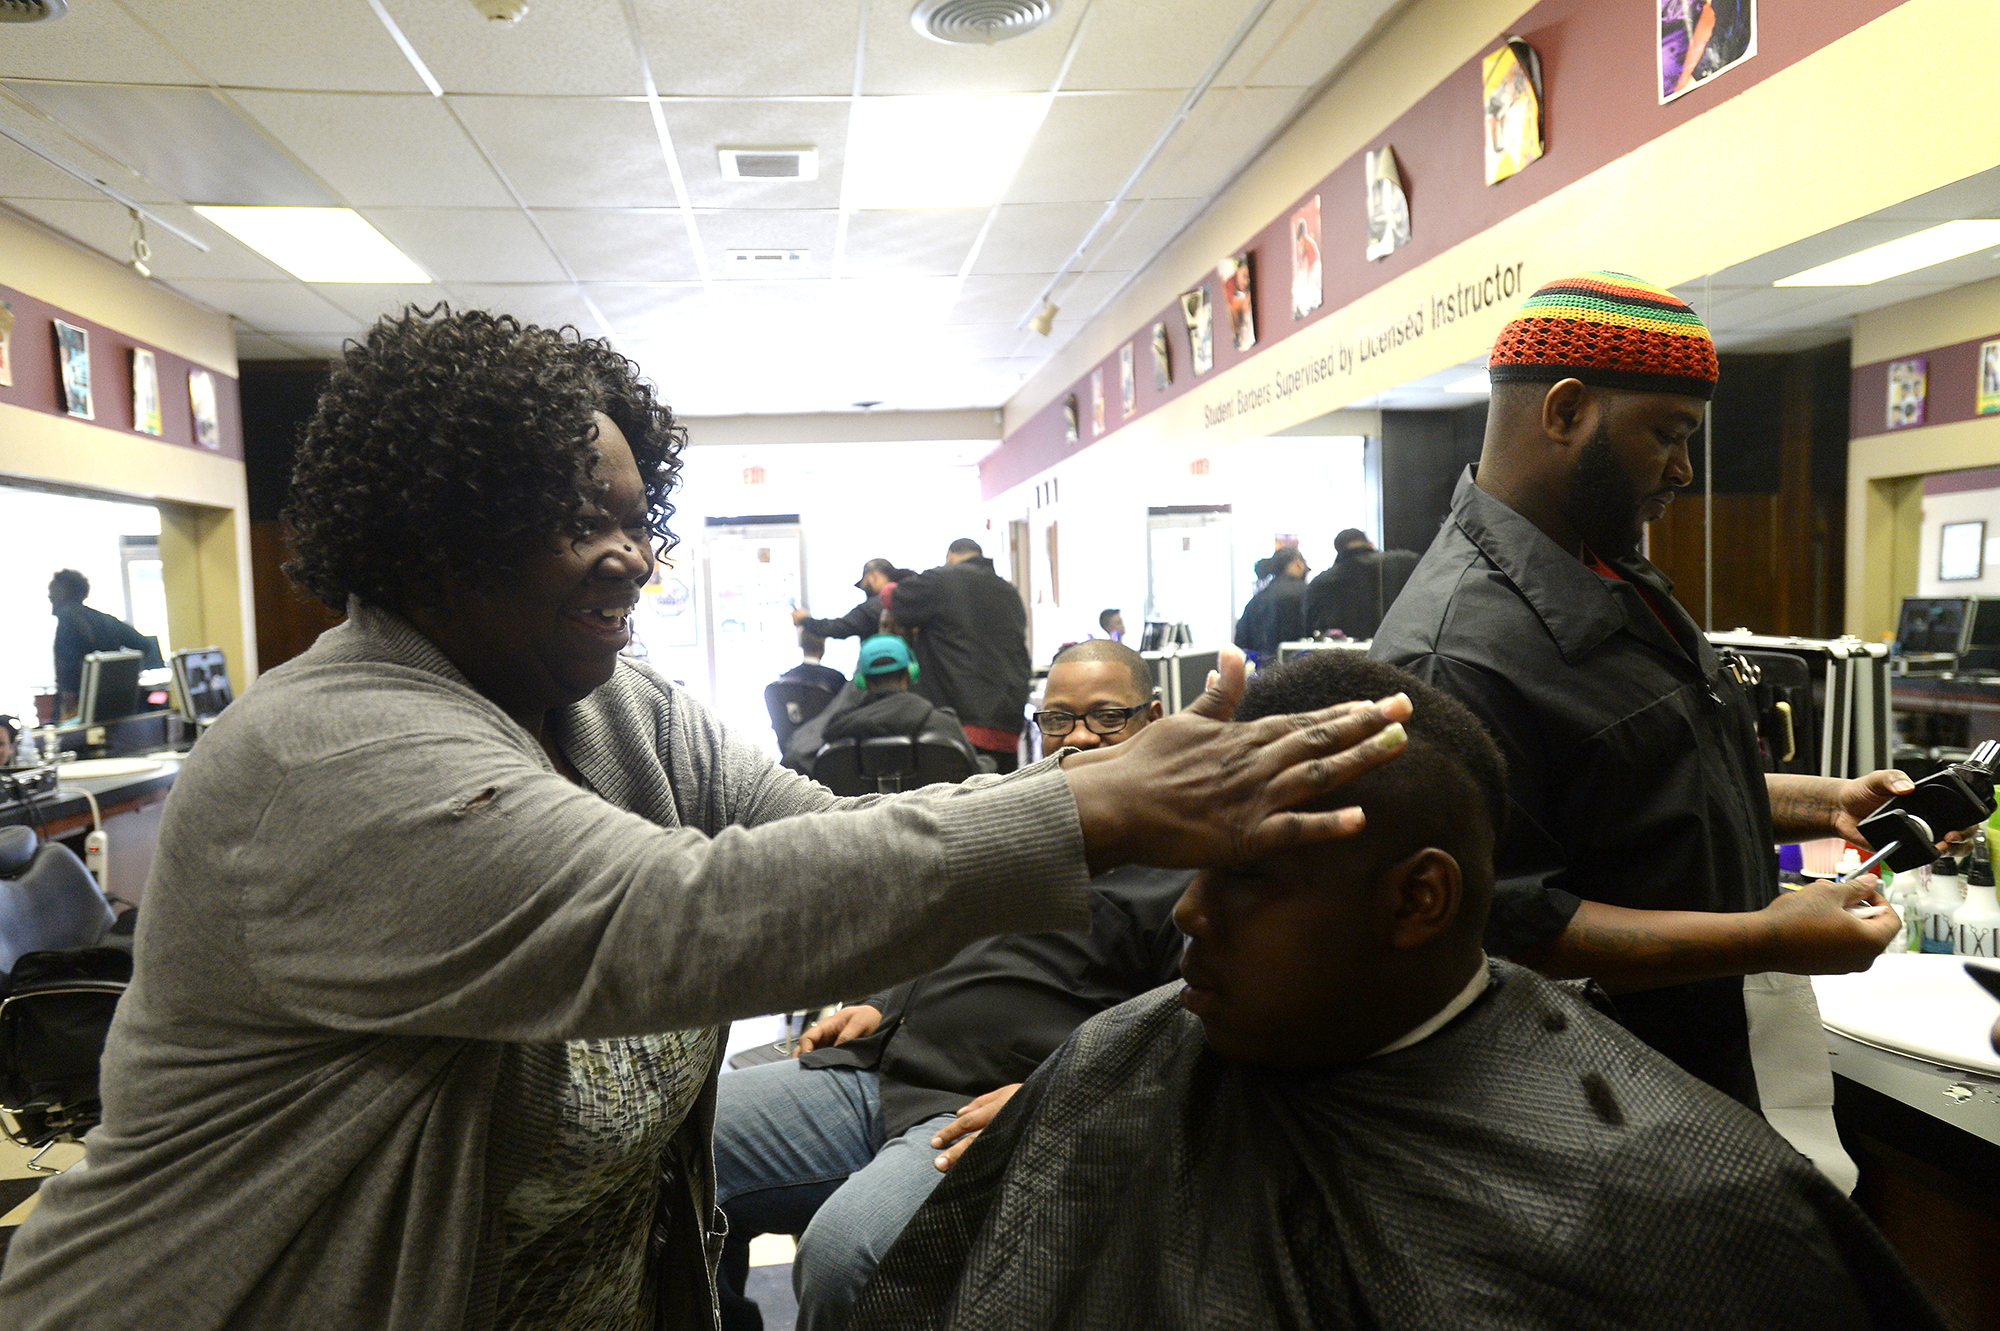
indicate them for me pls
(446, 912)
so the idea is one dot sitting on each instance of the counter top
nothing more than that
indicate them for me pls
(1916, 1029)
(66, 811)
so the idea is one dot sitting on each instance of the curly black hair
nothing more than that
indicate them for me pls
(448, 443)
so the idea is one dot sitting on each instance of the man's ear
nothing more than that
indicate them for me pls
(1156, 711)
(1569, 412)
(1425, 890)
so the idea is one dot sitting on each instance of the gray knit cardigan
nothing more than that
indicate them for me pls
(375, 914)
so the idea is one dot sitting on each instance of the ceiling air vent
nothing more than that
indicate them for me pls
(31, 11)
(766, 163)
(980, 22)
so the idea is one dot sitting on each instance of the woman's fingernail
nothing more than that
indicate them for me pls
(936, 1142)
(942, 1163)
(1391, 736)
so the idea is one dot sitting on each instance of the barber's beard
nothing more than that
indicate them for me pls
(1602, 505)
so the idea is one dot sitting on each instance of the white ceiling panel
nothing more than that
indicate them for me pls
(1117, 127)
(94, 43)
(902, 61)
(29, 177)
(572, 152)
(1140, 231)
(38, 129)
(1218, 139)
(1324, 36)
(603, 246)
(274, 307)
(699, 128)
(918, 242)
(644, 310)
(107, 228)
(283, 43)
(1247, 68)
(766, 229)
(380, 150)
(995, 300)
(550, 305)
(773, 48)
(1147, 44)
(568, 48)
(469, 244)
(1037, 237)
(369, 301)
(986, 341)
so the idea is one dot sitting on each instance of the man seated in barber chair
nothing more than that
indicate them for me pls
(880, 705)
(843, 1143)
(1350, 1116)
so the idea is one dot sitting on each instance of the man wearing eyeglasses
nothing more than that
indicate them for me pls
(842, 1145)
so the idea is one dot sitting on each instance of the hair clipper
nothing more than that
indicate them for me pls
(1910, 825)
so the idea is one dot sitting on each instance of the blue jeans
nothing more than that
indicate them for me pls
(801, 1151)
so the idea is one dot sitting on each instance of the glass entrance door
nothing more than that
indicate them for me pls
(753, 575)
(1190, 556)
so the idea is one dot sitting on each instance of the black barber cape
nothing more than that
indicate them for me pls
(1633, 775)
(990, 1015)
(1531, 1165)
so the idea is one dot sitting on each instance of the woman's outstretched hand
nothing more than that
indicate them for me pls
(1196, 789)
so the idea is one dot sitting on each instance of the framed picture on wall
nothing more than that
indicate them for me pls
(1961, 551)
(1128, 382)
(201, 399)
(1097, 402)
(145, 393)
(1388, 206)
(1308, 278)
(1988, 400)
(1239, 297)
(6, 345)
(1163, 366)
(1200, 318)
(1511, 80)
(73, 356)
(1069, 419)
(1701, 38)
(1909, 382)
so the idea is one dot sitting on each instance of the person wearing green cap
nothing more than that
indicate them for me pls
(881, 703)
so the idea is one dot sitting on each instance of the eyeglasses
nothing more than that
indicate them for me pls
(1101, 720)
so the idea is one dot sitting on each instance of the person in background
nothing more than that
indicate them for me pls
(1351, 597)
(80, 630)
(865, 619)
(1112, 622)
(1278, 612)
(881, 704)
(971, 636)
(10, 739)
(1351, 1117)
(843, 1144)
(810, 671)
(1639, 848)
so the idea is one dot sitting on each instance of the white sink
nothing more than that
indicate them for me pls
(1919, 1004)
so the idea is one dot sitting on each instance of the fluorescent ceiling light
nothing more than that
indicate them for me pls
(1949, 240)
(936, 152)
(318, 244)
(1472, 383)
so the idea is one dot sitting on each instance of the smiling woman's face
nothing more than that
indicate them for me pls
(552, 632)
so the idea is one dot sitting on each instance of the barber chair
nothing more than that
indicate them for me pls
(792, 703)
(888, 763)
(66, 971)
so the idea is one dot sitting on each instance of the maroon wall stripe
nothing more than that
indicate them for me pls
(1598, 87)
(1950, 392)
(38, 380)
(1958, 482)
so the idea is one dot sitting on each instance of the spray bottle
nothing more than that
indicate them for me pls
(1977, 923)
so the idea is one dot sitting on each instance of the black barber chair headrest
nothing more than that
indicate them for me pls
(17, 847)
(48, 900)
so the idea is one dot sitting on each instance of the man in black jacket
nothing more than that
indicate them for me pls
(1277, 613)
(971, 635)
(1351, 597)
(890, 1090)
(81, 630)
(865, 619)
(885, 704)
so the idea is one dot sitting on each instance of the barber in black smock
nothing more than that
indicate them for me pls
(865, 619)
(1639, 848)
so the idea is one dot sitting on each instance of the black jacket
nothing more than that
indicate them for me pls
(1633, 775)
(1357, 591)
(1276, 614)
(886, 712)
(971, 642)
(81, 630)
(990, 1015)
(863, 621)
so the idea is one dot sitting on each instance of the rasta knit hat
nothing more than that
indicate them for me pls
(1610, 331)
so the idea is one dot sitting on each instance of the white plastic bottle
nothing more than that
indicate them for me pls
(1850, 862)
(1942, 899)
(1977, 924)
(1902, 894)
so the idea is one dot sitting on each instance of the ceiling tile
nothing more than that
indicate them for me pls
(603, 246)
(369, 301)
(256, 44)
(1038, 237)
(27, 176)
(646, 310)
(1145, 44)
(92, 43)
(572, 152)
(699, 128)
(575, 48)
(767, 229)
(107, 228)
(1224, 130)
(35, 127)
(551, 305)
(991, 300)
(1305, 53)
(274, 307)
(774, 48)
(1139, 232)
(903, 61)
(918, 242)
(375, 149)
(469, 244)
(1089, 146)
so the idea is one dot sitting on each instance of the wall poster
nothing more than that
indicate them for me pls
(1200, 316)
(1908, 383)
(1388, 206)
(1239, 297)
(1988, 400)
(1512, 82)
(1308, 281)
(146, 393)
(1069, 419)
(1701, 38)
(73, 354)
(201, 398)
(1097, 402)
(1128, 382)
(6, 345)
(1163, 366)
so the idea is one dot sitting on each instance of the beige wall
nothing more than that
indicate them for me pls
(204, 506)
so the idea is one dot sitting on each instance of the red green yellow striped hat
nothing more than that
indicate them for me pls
(1610, 331)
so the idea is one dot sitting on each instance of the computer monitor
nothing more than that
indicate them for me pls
(201, 683)
(1933, 625)
(110, 686)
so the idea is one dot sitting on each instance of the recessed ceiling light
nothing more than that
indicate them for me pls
(937, 152)
(1472, 383)
(1949, 240)
(318, 244)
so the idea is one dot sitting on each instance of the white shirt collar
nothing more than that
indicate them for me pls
(1473, 989)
